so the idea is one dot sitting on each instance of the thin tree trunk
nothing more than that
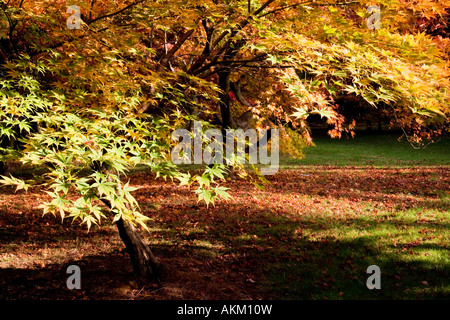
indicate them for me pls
(145, 263)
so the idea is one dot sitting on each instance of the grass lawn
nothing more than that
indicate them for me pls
(311, 234)
(374, 150)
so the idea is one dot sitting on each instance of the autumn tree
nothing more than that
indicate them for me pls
(95, 90)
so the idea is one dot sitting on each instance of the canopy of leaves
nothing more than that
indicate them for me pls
(91, 103)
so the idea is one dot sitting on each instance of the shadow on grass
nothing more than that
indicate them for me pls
(309, 255)
(102, 277)
(269, 260)
(252, 249)
(296, 267)
(109, 276)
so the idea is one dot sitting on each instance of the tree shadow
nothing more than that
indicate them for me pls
(281, 249)
(98, 275)
(240, 250)
(291, 266)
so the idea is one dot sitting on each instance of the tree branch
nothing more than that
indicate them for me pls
(215, 62)
(117, 12)
(208, 46)
(236, 87)
(227, 45)
(311, 3)
(284, 8)
(166, 58)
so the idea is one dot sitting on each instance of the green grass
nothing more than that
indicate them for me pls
(413, 256)
(375, 150)
(332, 265)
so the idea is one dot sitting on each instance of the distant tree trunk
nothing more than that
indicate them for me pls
(4, 165)
(4, 168)
(227, 119)
(224, 101)
(225, 111)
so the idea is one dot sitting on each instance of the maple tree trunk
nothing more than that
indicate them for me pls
(224, 101)
(144, 261)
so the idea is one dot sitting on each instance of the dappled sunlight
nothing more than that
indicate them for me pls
(316, 228)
